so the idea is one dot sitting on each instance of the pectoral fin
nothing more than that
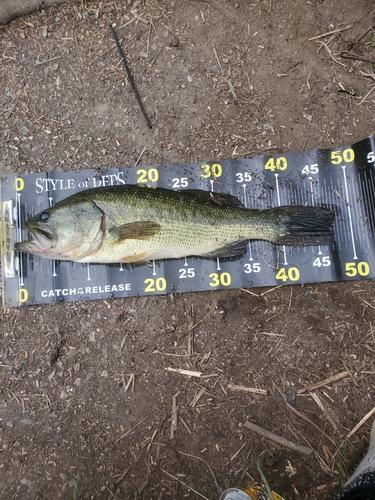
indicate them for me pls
(142, 230)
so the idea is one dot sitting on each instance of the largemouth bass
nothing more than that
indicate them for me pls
(137, 224)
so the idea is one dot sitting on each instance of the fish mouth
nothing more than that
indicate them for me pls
(43, 239)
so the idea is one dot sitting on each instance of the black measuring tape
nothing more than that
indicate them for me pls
(342, 178)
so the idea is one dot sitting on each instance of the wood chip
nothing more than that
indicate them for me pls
(197, 397)
(174, 415)
(190, 373)
(253, 390)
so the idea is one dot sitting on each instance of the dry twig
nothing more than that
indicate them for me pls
(130, 430)
(130, 77)
(303, 416)
(327, 412)
(174, 415)
(190, 373)
(253, 390)
(186, 485)
(197, 397)
(333, 32)
(366, 96)
(361, 422)
(326, 381)
(278, 439)
(208, 465)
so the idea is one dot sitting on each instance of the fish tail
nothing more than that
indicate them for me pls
(305, 226)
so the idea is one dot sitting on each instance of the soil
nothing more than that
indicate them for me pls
(87, 404)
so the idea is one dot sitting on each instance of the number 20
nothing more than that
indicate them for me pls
(159, 284)
(151, 175)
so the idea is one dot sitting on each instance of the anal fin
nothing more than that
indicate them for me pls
(235, 249)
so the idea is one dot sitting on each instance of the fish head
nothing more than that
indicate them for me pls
(68, 231)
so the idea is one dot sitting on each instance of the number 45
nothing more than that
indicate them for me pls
(322, 261)
(310, 169)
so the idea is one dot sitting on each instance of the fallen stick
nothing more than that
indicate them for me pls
(197, 397)
(130, 430)
(253, 390)
(333, 32)
(130, 76)
(278, 439)
(361, 422)
(327, 412)
(301, 415)
(174, 415)
(185, 484)
(329, 380)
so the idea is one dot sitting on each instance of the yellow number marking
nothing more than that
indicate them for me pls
(281, 163)
(159, 285)
(354, 268)
(24, 295)
(215, 170)
(20, 184)
(292, 274)
(224, 279)
(151, 175)
(338, 157)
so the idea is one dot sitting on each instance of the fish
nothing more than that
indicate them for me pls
(136, 224)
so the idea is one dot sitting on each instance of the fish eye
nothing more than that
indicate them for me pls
(44, 217)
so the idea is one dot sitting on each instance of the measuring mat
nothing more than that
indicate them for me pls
(342, 178)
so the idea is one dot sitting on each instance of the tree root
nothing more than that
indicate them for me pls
(10, 9)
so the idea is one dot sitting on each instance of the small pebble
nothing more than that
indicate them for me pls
(174, 41)
(13, 372)
(63, 395)
(26, 421)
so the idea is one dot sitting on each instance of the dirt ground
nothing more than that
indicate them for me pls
(86, 403)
